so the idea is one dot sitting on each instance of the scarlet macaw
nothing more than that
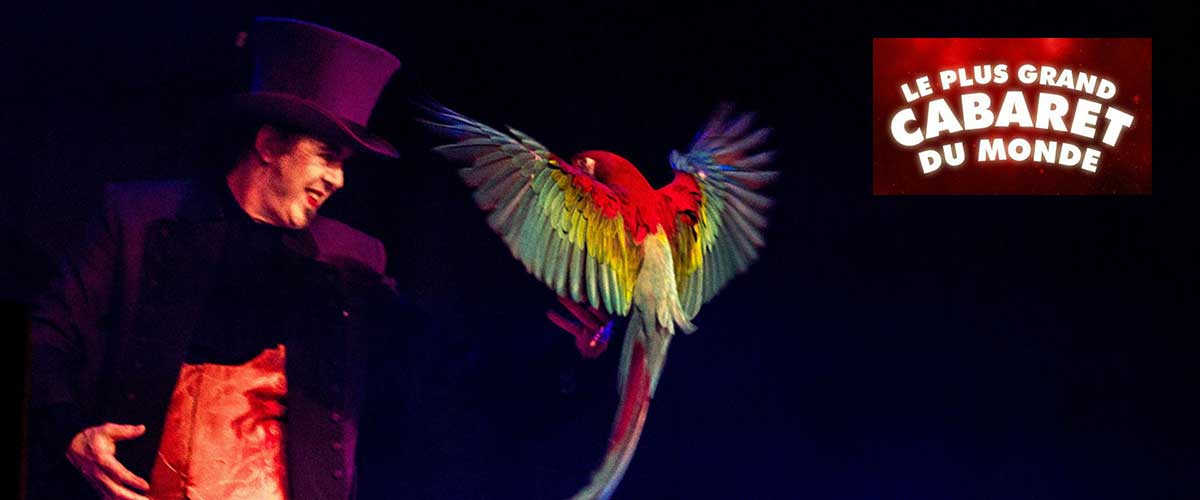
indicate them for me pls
(596, 232)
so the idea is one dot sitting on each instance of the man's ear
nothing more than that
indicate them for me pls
(269, 144)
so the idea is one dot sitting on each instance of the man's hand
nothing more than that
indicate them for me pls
(93, 452)
(592, 331)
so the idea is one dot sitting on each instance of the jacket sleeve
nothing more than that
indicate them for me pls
(67, 324)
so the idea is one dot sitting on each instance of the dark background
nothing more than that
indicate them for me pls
(883, 347)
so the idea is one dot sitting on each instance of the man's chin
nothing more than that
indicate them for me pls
(300, 218)
(302, 223)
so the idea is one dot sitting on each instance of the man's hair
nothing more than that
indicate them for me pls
(237, 140)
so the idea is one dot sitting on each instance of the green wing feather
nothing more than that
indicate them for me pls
(564, 225)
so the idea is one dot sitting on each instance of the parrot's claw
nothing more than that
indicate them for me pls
(593, 345)
(591, 327)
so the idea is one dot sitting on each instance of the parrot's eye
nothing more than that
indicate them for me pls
(588, 165)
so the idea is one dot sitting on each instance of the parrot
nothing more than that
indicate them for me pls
(606, 242)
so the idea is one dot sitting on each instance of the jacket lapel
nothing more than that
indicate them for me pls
(180, 257)
(322, 429)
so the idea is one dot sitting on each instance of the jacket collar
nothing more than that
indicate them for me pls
(210, 200)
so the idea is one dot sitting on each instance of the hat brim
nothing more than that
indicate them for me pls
(309, 117)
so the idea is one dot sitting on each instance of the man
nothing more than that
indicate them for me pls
(209, 339)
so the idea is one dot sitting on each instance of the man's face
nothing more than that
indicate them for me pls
(307, 173)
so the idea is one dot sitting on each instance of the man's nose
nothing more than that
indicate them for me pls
(334, 177)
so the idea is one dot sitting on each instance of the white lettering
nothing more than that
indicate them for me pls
(1013, 108)
(1086, 114)
(941, 119)
(930, 161)
(900, 133)
(1117, 121)
(991, 150)
(976, 111)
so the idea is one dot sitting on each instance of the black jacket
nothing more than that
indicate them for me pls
(109, 336)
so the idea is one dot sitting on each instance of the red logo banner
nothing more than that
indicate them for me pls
(1012, 116)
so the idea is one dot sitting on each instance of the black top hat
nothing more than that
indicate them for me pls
(318, 80)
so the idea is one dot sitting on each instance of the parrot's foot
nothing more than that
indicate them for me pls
(592, 346)
(592, 328)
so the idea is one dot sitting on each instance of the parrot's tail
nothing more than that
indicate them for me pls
(642, 358)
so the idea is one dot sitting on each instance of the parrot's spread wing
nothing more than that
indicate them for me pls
(719, 214)
(563, 224)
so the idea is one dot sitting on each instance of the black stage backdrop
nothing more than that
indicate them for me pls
(882, 348)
